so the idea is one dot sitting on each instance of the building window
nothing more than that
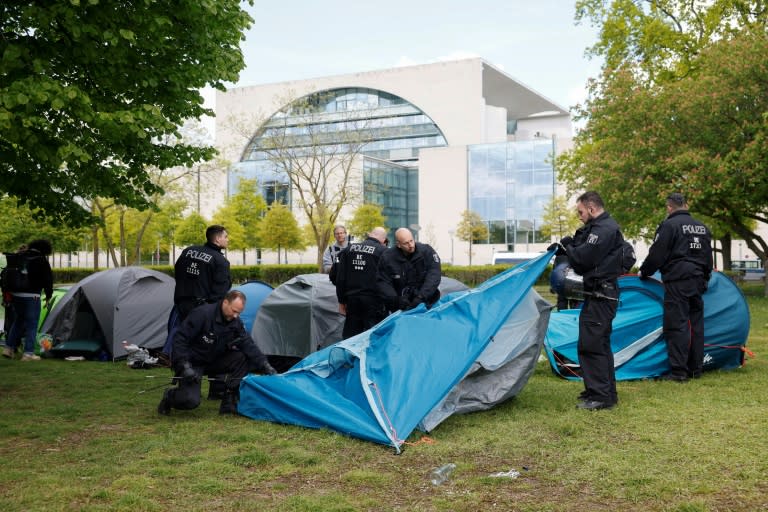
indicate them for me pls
(509, 186)
(391, 129)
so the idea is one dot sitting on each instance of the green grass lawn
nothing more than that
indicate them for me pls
(80, 436)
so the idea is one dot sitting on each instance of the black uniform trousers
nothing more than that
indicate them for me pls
(363, 312)
(684, 325)
(594, 347)
(232, 367)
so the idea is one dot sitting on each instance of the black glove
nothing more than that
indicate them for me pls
(566, 241)
(268, 370)
(403, 303)
(415, 302)
(559, 249)
(643, 277)
(188, 374)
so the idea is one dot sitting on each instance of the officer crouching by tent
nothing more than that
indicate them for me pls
(212, 341)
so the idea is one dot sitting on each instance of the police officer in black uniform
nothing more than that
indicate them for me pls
(212, 340)
(356, 283)
(682, 249)
(409, 274)
(202, 272)
(596, 252)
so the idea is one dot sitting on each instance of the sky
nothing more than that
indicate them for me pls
(536, 42)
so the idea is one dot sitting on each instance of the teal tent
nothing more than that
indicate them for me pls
(639, 347)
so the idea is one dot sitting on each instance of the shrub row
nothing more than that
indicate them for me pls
(274, 275)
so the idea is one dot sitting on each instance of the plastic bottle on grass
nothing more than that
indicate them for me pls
(439, 475)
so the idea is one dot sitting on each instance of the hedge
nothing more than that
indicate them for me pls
(275, 275)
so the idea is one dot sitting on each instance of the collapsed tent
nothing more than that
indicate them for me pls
(302, 315)
(380, 384)
(639, 348)
(108, 307)
(255, 293)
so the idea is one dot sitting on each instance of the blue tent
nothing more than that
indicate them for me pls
(638, 345)
(381, 383)
(255, 293)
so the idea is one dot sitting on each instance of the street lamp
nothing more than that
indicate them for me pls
(451, 232)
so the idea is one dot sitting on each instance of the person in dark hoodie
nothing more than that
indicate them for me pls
(35, 277)
(682, 250)
(409, 274)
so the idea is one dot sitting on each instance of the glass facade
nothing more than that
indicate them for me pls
(509, 186)
(369, 122)
(395, 188)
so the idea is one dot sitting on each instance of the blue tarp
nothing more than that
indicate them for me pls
(638, 345)
(381, 383)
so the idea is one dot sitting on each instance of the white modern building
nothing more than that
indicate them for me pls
(440, 139)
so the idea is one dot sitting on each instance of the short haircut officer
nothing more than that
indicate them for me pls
(682, 250)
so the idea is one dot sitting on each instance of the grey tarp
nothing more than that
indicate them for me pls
(302, 315)
(504, 367)
(126, 303)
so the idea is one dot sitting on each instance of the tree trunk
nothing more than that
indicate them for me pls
(725, 246)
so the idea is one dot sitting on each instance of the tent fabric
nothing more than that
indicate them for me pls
(302, 315)
(503, 368)
(380, 384)
(125, 303)
(637, 341)
(255, 293)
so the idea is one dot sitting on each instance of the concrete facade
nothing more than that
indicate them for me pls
(471, 102)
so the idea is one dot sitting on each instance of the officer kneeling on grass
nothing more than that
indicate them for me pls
(212, 341)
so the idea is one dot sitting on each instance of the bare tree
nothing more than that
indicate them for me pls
(319, 153)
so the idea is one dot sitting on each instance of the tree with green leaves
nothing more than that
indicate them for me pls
(279, 230)
(471, 229)
(679, 106)
(243, 212)
(91, 92)
(20, 225)
(127, 232)
(364, 219)
(560, 219)
(191, 230)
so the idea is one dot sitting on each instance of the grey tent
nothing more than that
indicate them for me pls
(503, 368)
(302, 315)
(126, 303)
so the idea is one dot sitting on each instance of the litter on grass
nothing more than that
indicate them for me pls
(511, 474)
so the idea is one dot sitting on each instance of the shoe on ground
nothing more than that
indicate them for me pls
(30, 357)
(164, 407)
(8, 352)
(674, 378)
(594, 405)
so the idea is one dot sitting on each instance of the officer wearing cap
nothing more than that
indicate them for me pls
(682, 250)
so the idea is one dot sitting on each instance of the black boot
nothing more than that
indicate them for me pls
(164, 407)
(228, 403)
(217, 388)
